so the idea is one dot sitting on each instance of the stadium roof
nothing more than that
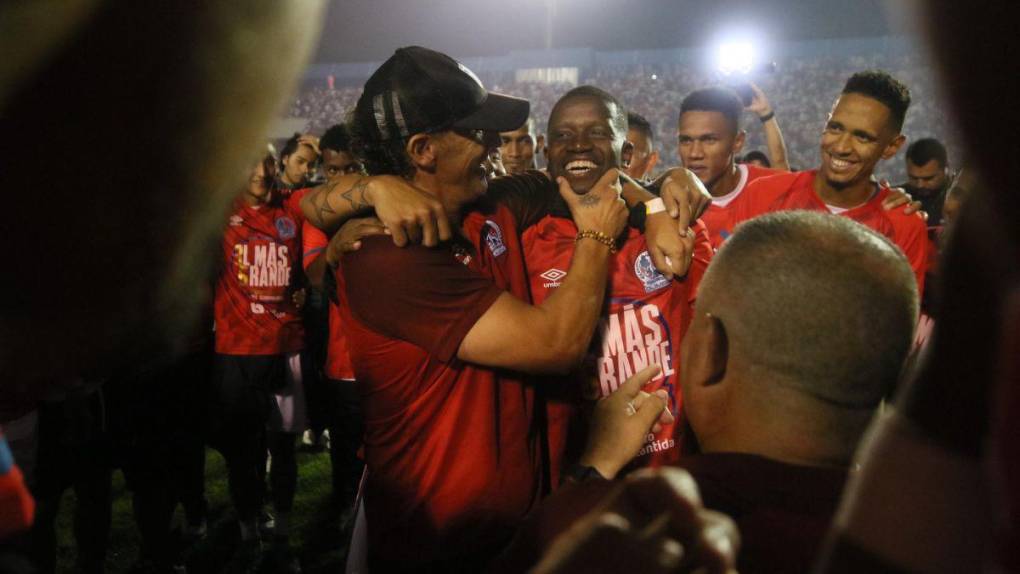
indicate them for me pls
(369, 30)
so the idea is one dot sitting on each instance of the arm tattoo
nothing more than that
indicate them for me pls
(356, 194)
(589, 200)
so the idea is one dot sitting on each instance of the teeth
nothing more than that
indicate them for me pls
(839, 164)
(580, 166)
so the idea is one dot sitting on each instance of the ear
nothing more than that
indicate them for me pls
(705, 352)
(421, 149)
(540, 142)
(626, 153)
(738, 142)
(653, 158)
(894, 146)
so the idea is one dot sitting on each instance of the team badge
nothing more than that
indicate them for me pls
(648, 274)
(494, 238)
(285, 227)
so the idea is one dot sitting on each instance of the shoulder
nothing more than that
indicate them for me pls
(898, 216)
(754, 172)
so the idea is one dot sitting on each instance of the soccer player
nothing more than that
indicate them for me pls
(644, 156)
(647, 310)
(342, 407)
(862, 129)
(517, 148)
(710, 139)
(297, 159)
(259, 336)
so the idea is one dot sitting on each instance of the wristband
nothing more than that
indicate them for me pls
(654, 206)
(597, 236)
(767, 116)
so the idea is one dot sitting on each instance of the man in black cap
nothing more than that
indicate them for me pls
(451, 435)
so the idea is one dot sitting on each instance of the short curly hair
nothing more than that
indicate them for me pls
(881, 86)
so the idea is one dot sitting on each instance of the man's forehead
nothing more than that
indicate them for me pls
(704, 122)
(861, 107)
(606, 110)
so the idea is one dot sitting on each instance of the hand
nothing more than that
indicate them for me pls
(759, 103)
(601, 209)
(348, 238)
(671, 249)
(408, 212)
(899, 196)
(653, 522)
(685, 197)
(621, 422)
(310, 141)
(299, 297)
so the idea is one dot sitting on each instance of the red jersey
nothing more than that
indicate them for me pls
(253, 309)
(908, 232)
(338, 359)
(452, 448)
(726, 211)
(645, 318)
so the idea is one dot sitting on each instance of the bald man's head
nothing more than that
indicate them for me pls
(801, 328)
(817, 302)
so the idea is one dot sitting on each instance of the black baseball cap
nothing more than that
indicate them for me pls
(420, 90)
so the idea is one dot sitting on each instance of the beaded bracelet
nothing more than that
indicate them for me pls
(597, 236)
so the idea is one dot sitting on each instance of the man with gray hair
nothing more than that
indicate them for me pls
(802, 325)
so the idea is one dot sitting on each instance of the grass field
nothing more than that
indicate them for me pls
(316, 534)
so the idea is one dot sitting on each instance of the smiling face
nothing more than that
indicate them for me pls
(857, 136)
(461, 166)
(584, 142)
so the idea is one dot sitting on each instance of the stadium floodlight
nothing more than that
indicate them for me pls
(735, 57)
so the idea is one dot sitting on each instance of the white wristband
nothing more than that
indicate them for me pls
(654, 206)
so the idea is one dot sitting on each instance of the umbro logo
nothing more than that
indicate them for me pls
(552, 277)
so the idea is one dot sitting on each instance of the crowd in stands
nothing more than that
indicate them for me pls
(801, 90)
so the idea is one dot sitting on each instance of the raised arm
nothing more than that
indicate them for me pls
(761, 108)
(554, 336)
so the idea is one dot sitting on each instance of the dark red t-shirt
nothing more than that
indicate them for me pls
(452, 448)
(796, 191)
(726, 211)
(253, 309)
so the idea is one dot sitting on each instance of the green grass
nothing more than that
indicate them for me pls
(316, 535)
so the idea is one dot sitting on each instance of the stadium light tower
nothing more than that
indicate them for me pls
(735, 57)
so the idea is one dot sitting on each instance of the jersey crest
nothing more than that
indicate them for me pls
(494, 238)
(285, 227)
(648, 274)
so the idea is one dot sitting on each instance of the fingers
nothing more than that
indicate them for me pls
(661, 261)
(399, 236)
(430, 233)
(445, 231)
(668, 199)
(632, 386)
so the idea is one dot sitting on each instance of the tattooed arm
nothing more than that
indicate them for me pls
(408, 212)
